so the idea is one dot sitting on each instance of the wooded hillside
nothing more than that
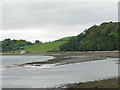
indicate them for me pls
(97, 38)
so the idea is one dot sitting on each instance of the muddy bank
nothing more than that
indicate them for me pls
(107, 83)
(67, 58)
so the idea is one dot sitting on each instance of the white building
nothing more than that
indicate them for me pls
(22, 52)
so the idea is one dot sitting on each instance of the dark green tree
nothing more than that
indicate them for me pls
(37, 41)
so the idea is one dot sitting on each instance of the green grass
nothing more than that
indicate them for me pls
(44, 47)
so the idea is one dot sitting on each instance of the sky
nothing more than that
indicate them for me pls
(49, 21)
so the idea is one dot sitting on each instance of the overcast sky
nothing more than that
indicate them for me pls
(48, 21)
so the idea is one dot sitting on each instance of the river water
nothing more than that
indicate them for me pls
(51, 75)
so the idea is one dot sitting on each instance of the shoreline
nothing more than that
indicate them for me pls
(68, 58)
(105, 83)
(62, 52)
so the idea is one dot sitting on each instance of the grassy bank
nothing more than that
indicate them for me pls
(41, 48)
(53, 52)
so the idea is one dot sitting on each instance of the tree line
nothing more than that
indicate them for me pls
(105, 37)
(97, 38)
(9, 44)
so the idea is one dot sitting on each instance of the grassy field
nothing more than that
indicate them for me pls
(44, 47)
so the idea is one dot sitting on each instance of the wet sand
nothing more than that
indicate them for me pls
(67, 58)
(107, 83)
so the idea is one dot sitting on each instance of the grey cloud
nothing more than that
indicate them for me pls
(48, 21)
(46, 15)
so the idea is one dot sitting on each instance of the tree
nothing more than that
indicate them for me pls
(37, 41)
(113, 35)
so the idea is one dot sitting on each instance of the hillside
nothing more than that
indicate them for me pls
(42, 47)
(97, 38)
(8, 44)
(46, 47)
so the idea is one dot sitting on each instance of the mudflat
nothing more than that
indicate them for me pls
(107, 83)
(67, 58)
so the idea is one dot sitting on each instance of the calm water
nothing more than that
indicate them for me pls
(20, 59)
(51, 75)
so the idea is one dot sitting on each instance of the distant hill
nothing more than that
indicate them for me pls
(39, 47)
(46, 47)
(12, 45)
(97, 38)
